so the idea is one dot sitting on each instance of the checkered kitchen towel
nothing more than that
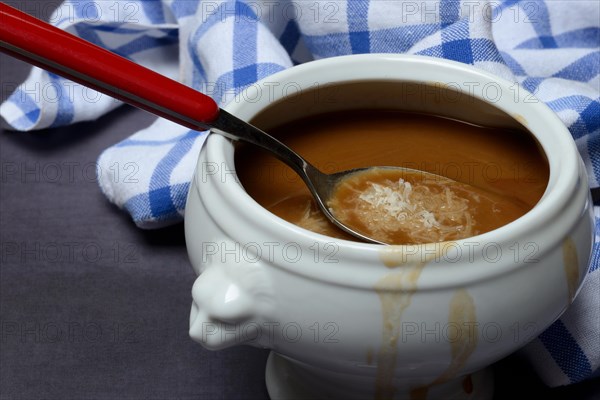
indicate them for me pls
(219, 47)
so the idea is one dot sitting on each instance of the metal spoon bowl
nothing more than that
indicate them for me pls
(53, 49)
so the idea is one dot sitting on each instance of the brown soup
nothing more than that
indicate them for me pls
(496, 175)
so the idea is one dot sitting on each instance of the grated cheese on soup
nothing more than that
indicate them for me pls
(395, 200)
(396, 210)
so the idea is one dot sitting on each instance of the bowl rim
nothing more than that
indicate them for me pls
(559, 147)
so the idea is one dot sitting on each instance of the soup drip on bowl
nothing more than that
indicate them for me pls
(475, 179)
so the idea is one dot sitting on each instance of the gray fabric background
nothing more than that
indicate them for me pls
(92, 307)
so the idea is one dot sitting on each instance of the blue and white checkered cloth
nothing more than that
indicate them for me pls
(549, 47)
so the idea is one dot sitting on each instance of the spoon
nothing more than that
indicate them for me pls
(55, 50)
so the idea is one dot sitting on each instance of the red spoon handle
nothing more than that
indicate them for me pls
(53, 49)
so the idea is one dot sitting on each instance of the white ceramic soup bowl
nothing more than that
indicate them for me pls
(354, 320)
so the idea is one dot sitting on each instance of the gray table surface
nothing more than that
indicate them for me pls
(92, 307)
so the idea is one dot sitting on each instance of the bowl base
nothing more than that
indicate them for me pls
(288, 380)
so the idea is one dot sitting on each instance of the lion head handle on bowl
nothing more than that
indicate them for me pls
(231, 297)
